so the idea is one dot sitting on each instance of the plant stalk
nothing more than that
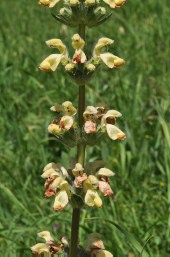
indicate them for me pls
(80, 159)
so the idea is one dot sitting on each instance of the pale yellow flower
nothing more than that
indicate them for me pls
(46, 236)
(69, 109)
(114, 3)
(77, 42)
(107, 123)
(93, 199)
(52, 62)
(102, 42)
(112, 61)
(54, 129)
(61, 200)
(114, 132)
(40, 248)
(48, 3)
(66, 123)
(104, 253)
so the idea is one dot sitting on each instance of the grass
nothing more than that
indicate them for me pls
(140, 90)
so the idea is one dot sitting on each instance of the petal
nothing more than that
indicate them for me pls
(56, 183)
(69, 109)
(39, 248)
(49, 173)
(57, 108)
(90, 112)
(102, 42)
(77, 42)
(92, 199)
(90, 127)
(61, 200)
(105, 172)
(78, 182)
(105, 188)
(114, 3)
(79, 57)
(114, 132)
(51, 62)
(57, 43)
(66, 122)
(45, 235)
(53, 2)
(104, 253)
(111, 60)
(78, 170)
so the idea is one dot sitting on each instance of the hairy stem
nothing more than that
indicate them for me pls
(80, 159)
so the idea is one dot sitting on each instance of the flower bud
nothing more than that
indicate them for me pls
(100, 10)
(54, 129)
(90, 67)
(65, 11)
(69, 67)
(74, 2)
(90, 2)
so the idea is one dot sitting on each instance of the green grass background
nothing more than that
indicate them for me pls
(139, 90)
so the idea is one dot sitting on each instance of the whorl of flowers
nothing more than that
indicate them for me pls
(111, 3)
(79, 66)
(84, 183)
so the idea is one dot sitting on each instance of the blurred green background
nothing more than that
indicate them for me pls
(139, 90)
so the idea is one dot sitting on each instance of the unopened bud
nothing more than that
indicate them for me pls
(65, 11)
(69, 67)
(90, 2)
(90, 67)
(74, 2)
(100, 10)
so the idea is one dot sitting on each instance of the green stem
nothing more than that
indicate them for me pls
(80, 159)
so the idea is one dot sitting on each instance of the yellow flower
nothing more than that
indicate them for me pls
(93, 199)
(48, 3)
(102, 42)
(52, 62)
(46, 236)
(77, 42)
(114, 132)
(114, 3)
(40, 248)
(69, 109)
(107, 123)
(54, 129)
(112, 61)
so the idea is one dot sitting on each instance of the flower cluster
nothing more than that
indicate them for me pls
(50, 246)
(80, 182)
(95, 246)
(111, 3)
(79, 67)
(97, 120)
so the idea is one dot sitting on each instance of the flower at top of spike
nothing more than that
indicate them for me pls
(48, 3)
(78, 44)
(112, 61)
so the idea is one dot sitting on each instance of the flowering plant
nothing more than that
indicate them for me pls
(82, 184)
